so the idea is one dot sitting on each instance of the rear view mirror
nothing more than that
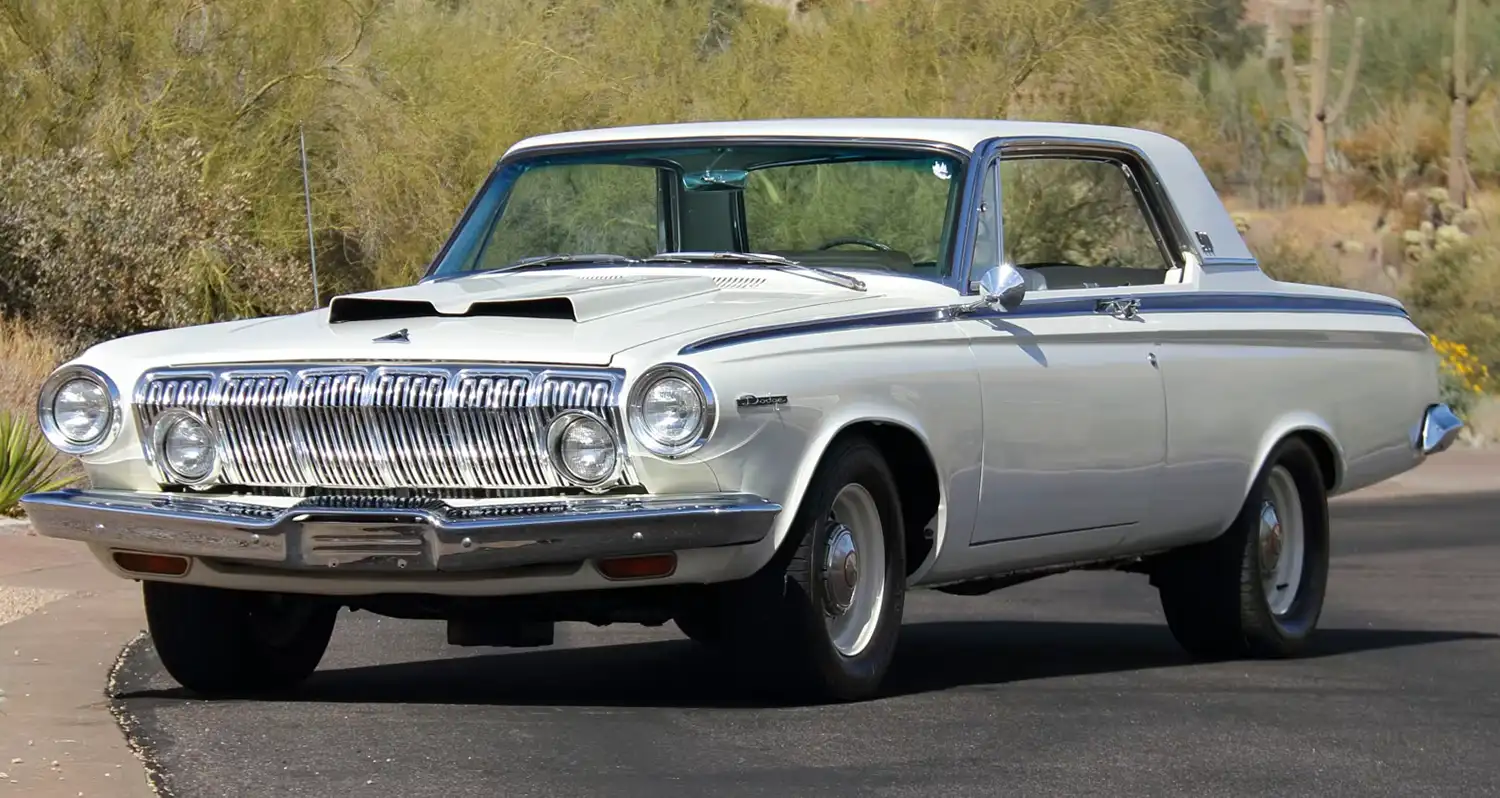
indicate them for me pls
(715, 180)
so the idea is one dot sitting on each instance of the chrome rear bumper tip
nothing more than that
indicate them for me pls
(1439, 429)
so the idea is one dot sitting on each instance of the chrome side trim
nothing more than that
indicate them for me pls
(403, 537)
(374, 426)
(1035, 306)
(1438, 429)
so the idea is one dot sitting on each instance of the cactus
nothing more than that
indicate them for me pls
(1463, 91)
(1314, 115)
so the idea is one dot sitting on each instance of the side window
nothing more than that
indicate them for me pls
(1078, 223)
(576, 208)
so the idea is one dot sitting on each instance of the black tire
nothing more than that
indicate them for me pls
(775, 620)
(1213, 594)
(218, 642)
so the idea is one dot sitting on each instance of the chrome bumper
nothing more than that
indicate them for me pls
(428, 537)
(1438, 429)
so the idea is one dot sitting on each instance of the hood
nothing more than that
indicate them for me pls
(577, 317)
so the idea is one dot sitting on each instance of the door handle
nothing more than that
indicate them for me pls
(1120, 307)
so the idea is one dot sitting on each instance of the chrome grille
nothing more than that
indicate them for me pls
(381, 426)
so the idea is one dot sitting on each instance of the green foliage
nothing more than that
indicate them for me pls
(407, 105)
(26, 464)
(96, 249)
(1217, 28)
(1247, 141)
(1406, 42)
(1454, 293)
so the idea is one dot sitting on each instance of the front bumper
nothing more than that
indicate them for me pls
(427, 537)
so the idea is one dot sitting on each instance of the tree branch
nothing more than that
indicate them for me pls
(360, 17)
(1351, 71)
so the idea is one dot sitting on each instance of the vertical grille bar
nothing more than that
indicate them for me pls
(388, 426)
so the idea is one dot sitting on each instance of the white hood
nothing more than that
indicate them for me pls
(581, 317)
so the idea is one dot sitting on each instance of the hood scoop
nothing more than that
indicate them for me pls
(352, 308)
(551, 297)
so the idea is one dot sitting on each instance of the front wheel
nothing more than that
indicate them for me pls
(828, 607)
(217, 641)
(1256, 590)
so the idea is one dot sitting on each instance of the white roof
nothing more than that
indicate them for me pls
(1188, 188)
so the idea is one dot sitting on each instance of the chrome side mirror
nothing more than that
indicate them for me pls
(1003, 286)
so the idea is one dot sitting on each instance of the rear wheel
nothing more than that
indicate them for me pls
(825, 613)
(217, 641)
(1258, 589)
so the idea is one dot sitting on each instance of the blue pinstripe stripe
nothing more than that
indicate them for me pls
(1071, 306)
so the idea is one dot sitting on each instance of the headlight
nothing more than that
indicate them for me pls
(672, 410)
(583, 448)
(79, 409)
(183, 446)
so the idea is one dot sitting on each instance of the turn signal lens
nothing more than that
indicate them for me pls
(155, 564)
(650, 566)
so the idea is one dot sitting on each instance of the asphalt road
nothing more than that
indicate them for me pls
(1066, 686)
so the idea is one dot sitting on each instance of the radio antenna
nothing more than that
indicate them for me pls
(312, 250)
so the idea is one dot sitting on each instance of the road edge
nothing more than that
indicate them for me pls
(128, 723)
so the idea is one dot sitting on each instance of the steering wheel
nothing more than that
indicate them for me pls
(860, 240)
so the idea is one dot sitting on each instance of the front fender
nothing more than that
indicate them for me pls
(774, 450)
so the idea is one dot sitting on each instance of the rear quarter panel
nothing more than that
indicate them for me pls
(1238, 382)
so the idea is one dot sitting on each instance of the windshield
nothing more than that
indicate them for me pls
(823, 205)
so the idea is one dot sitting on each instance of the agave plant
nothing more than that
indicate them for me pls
(26, 465)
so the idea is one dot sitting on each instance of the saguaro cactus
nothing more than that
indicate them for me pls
(1314, 115)
(1463, 90)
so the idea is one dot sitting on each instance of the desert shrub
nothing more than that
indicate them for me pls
(1464, 378)
(91, 248)
(1452, 292)
(1286, 258)
(1241, 132)
(1399, 147)
(406, 105)
(27, 464)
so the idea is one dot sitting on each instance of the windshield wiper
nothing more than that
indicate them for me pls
(760, 259)
(556, 260)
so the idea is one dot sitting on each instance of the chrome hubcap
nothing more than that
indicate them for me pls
(1281, 541)
(840, 570)
(853, 578)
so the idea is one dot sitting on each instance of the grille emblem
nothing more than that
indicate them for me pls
(397, 337)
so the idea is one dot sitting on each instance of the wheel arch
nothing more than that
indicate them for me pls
(1312, 430)
(908, 453)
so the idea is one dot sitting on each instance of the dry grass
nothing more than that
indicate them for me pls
(1358, 239)
(26, 358)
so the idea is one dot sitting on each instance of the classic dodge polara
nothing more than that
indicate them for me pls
(759, 379)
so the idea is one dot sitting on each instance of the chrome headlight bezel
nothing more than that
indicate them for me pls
(157, 454)
(559, 425)
(635, 410)
(47, 418)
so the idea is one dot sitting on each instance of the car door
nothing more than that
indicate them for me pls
(1074, 412)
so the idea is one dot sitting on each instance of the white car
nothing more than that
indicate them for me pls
(761, 379)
